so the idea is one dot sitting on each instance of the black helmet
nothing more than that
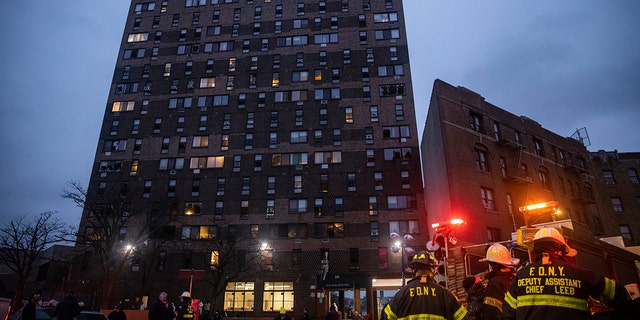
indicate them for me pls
(423, 260)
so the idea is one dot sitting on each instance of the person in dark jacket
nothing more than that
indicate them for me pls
(29, 311)
(501, 274)
(475, 290)
(422, 297)
(161, 309)
(117, 314)
(333, 313)
(553, 289)
(68, 308)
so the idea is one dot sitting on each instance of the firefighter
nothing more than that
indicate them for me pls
(422, 297)
(551, 288)
(501, 273)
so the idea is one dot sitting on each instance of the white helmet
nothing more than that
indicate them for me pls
(186, 294)
(553, 235)
(500, 254)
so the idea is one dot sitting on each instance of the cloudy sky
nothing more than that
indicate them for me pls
(566, 64)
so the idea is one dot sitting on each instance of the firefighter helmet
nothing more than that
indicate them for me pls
(423, 259)
(500, 254)
(186, 294)
(545, 235)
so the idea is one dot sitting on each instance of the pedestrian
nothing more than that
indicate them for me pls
(476, 291)
(283, 315)
(161, 309)
(68, 308)
(333, 313)
(184, 310)
(117, 313)
(206, 308)
(422, 297)
(29, 311)
(501, 273)
(305, 314)
(551, 288)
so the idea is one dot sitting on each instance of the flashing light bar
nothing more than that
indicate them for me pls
(537, 206)
(455, 221)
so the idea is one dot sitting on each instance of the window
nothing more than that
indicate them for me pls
(207, 82)
(625, 231)
(206, 162)
(493, 234)
(487, 198)
(271, 209)
(327, 157)
(390, 71)
(239, 296)
(544, 179)
(392, 90)
(404, 226)
(329, 230)
(289, 159)
(401, 202)
(393, 154)
(616, 202)
(298, 136)
(481, 160)
(297, 205)
(192, 208)
(475, 121)
(278, 295)
(608, 177)
(503, 166)
(200, 142)
(396, 132)
(633, 175)
(538, 147)
(327, 93)
(387, 34)
(119, 106)
(385, 17)
(171, 164)
(138, 37)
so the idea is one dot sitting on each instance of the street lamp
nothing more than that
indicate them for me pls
(400, 245)
(441, 239)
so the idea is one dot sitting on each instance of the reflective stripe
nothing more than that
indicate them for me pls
(423, 316)
(491, 301)
(460, 314)
(390, 314)
(510, 300)
(552, 301)
(609, 290)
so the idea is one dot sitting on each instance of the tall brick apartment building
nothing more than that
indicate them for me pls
(233, 128)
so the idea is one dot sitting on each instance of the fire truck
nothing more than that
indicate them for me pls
(459, 260)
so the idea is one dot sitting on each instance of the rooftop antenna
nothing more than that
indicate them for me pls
(582, 136)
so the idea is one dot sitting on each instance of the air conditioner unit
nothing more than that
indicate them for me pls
(147, 88)
(374, 233)
(323, 101)
(172, 172)
(324, 166)
(368, 137)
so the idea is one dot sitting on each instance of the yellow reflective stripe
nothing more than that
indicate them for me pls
(609, 290)
(460, 313)
(390, 314)
(552, 301)
(423, 316)
(491, 301)
(510, 300)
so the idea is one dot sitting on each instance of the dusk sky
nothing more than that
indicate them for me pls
(564, 64)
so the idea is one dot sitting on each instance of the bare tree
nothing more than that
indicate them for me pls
(22, 242)
(107, 214)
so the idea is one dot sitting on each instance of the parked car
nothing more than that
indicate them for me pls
(90, 315)
(41, 314)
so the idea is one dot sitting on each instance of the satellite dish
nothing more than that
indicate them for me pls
(409, 250)
(432, 246)
(408, 237)
(394, 236)
(395, 249)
